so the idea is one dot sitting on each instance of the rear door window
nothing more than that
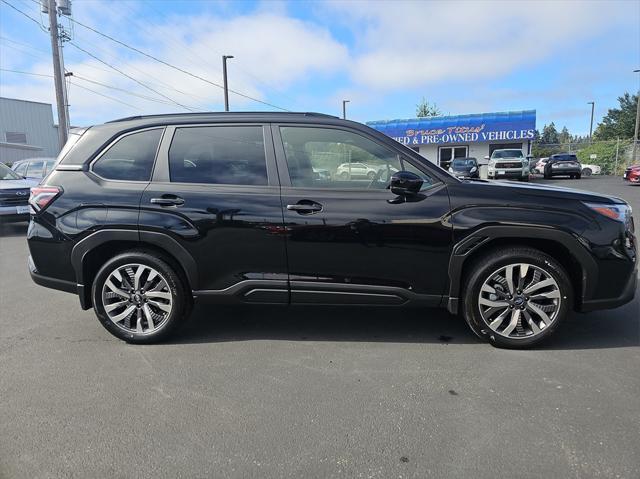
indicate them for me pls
(228, 155)
(131, 158)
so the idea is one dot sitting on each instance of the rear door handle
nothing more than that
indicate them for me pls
(168, 201)
(305, 207)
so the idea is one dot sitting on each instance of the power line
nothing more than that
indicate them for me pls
(105, 96)
(182, 70)
(129, 76)
(25, 73)
(22, 13)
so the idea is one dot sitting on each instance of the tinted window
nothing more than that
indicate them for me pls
(332, 158)
(507, 154)
(35, 169)
(131, 158)
(231, 155)
(464, 163)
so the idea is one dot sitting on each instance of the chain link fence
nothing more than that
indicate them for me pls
(613, 156)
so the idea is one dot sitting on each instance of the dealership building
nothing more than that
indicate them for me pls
(442, 138)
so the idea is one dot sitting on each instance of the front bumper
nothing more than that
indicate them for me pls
(628, 293)
(497, 173)
(14, 213)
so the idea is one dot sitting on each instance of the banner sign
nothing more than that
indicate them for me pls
(484, 127)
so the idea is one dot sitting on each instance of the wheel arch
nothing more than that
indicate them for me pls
(93, 251)
(562, 246)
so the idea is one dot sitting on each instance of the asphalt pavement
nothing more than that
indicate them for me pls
(316, 392)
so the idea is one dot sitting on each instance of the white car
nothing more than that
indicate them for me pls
(14, 195)
(356, 170)
(588, 170)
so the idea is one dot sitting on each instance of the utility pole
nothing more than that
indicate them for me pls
(635, 133)
(224, 79)
(593, 104)
(344, 109)
(58, 73)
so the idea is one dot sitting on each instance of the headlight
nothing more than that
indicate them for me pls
(618, 212)
(473, 170)
(450, 170)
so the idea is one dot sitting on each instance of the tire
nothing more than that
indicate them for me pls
(371, 175)
(154, 314)
(344, 176)
(547, 176)
(525, 178)
(481, 307)
(578, 176)
(587, 172)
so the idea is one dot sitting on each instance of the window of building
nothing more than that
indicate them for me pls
(16, 137)
(229, 155)
(447, 153)
(131, 158)
(333, 158)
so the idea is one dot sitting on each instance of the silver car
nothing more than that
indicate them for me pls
(14, 195)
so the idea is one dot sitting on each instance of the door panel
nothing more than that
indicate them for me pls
(233, 232)
(361, 246)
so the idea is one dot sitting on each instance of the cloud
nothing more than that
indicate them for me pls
(273, 52)
(410, 44)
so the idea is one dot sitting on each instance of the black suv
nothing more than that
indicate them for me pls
(145, 215)
(563, 164)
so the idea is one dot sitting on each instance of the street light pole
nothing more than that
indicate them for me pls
(593, 104)
(344, 109)
(224, 79)
(635, 133)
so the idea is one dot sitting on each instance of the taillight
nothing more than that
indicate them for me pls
(42, 196)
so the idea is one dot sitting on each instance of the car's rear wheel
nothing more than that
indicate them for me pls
(139, 297)
(516, 297)
(371, 175)
(344, 175)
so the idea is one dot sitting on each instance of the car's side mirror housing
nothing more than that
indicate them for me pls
(487, 158)
(405, 183)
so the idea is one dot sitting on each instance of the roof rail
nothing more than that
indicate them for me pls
(211, 113)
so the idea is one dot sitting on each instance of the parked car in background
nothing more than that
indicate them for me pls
(563, 164)
(35, 168)
(356, 170)
(588, 170)
(251, 222)
(632, 174)
(508, 164)
(14, 195)
(539, 166)
(464, 168)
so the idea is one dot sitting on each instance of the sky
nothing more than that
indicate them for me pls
(384, 57)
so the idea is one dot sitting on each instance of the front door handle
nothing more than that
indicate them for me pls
(305, 207)
(168, 201)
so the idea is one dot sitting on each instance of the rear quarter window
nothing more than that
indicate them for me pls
(131, 158)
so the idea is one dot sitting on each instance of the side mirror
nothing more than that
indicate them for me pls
(487, 158)
(405, 183)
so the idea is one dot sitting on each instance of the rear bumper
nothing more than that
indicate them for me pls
(59, 284)
(565, 171)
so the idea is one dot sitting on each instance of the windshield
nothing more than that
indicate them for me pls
(507, 154)
(464, 163)
(7, 174)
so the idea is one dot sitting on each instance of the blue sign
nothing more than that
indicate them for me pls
(483, 127)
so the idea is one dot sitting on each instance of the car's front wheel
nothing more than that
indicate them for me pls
(516, 297)
(139, 297)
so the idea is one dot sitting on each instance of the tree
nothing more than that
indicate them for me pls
(425, 109)
(564, 136)
(618, 122)
(549, 135)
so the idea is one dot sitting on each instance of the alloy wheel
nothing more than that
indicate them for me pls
(137, 298)
(519, 300)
